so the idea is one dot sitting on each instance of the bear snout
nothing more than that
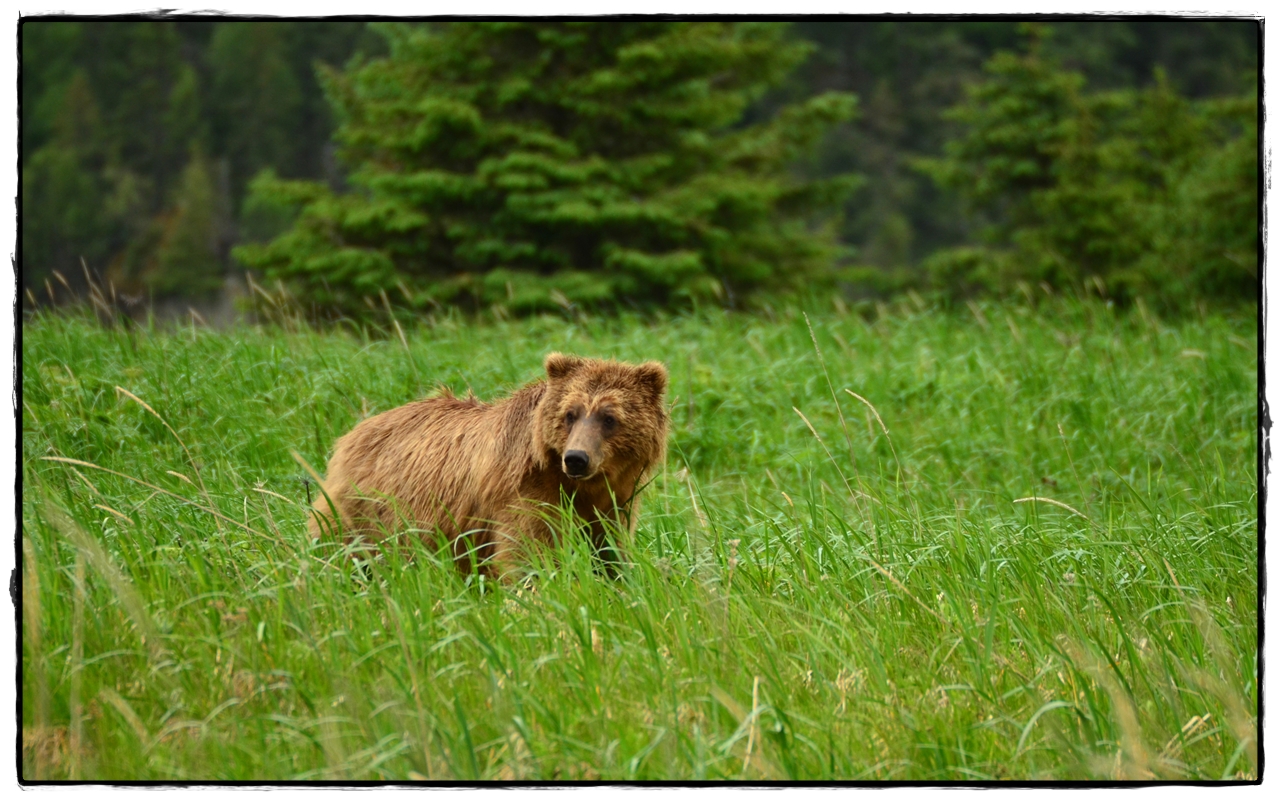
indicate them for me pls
(576, 463)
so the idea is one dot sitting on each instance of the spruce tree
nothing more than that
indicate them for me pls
(187, 256)
(1137, 192)
(64, 193)
(529, 164)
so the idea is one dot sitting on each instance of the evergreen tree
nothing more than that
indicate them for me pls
(64, 193)
(187, 257)
(150, 100)
(1144, 190)
(1207, 234)
(1201, 58)
(49, 62)
(535, 163)
(256, 97)
(904, 74)
(907, 72)
(111, 113)
(104, 174)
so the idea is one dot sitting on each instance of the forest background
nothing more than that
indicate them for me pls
(970, 156)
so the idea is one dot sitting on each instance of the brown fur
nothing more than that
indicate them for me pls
(463, 466)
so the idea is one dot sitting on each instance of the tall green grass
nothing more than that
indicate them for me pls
(997, 542)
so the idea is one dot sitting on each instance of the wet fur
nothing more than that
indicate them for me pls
(464, 466)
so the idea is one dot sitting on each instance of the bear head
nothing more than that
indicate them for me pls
(602, 419)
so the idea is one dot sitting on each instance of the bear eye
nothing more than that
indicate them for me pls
(608, 421)
(570, 418)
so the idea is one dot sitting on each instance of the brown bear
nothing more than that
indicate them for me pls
(482, 474)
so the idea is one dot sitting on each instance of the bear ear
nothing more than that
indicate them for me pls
(653, 376)
(559, 365)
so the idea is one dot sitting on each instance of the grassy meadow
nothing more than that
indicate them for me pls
(1001, 541)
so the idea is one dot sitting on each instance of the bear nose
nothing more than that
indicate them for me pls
(576, 462)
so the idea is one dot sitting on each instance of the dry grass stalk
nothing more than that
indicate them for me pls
(127, 712)
(839, 411)
(1054, 502)
(1241, 723)
(114, 513)
(831, 457)
(89, 548)
(751, 732)
(190, 459)
(979, 315)
(157, 489)
(35, 643)
(912, 596)
(1133, 760)
(77, 666)
(879, 421)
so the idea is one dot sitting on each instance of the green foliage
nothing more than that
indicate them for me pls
(1210, 228)
(265, 102)
(65, 190)
(256, 94)
(1202, 57)
(112, 112)
(109, 162)
(264, 216)
(1034, 557)
(905, 73)
(531, 164)
(1148, 192)
(187, 257)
